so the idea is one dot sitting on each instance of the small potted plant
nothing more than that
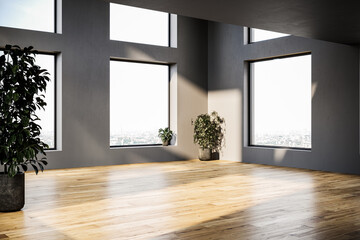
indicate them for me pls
(22, 83)
(209, 133)
(166, 135)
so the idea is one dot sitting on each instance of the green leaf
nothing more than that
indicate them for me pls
(44, 162)
(20, 82)
(24, 167)
(41, 166)
(35, 168)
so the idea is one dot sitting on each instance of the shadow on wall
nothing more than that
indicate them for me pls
(147, 154)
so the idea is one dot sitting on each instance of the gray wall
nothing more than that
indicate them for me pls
(209, 65)
(85, 51)
(335, 103)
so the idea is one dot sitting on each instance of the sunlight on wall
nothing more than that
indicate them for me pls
(135, 53)
(228, 103)
(279, 155)
(314, 86)
(192, 101)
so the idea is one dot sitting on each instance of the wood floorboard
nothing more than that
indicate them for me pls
(187, 200)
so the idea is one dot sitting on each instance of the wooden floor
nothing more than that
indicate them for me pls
(187, 200)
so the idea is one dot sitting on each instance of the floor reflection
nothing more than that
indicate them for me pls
(187, 200)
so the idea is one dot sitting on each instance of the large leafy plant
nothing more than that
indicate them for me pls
(22, 84)
(209, 131)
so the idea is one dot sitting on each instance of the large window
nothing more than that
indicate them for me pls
(47, 116)
(257, 35)
(28, 14)
(280, 102)
(139, 102)
(132, 24)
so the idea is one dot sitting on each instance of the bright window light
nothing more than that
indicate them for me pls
(30, 14)
(257, 35)
(47, 117)
(132, 24)
(139, 102)
(280, 102)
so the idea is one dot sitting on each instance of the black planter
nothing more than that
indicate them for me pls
(215, 156)
(12, 192)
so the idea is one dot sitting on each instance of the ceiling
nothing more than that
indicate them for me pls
(335, 21)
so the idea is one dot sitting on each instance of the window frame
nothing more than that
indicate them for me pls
(168, 100)
(169, 27)
(250, 107)
(55, 17)
(249, 36)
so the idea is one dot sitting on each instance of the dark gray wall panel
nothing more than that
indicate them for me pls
(335, 104)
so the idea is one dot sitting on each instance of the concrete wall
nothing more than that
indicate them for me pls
(335, 102)
(207, 74)
(85, 51)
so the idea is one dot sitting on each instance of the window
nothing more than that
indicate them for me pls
(139, 102)
(257, 35)
(47, 117)
(132, 24)
(31, 14)
(47, 122)
(280, 102)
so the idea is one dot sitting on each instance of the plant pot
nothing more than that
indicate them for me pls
(215, 156)
(12, 192)
(204, 154)
(165, 143)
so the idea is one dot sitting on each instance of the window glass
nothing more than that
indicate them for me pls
(281, 102)
(47, 117)
(257, 35)
(132, 24)
(139, 102)
(28, 14)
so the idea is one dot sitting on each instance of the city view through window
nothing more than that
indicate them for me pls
(281, 102)
(139, 102)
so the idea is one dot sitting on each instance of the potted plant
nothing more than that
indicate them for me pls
(166, 135)
(22, 83)
(209, 134)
